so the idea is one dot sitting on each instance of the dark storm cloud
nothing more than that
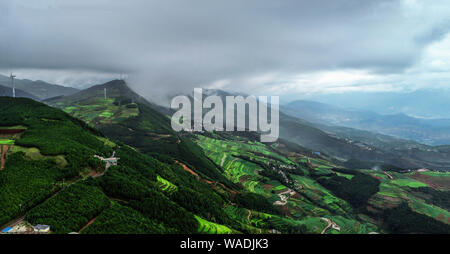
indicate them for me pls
(181, 44)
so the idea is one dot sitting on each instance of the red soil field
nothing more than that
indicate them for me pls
(4, 149)
(432, 181)
(11, 131)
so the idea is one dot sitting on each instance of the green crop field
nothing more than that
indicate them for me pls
(107, 142)
(394, 192)
(320, 195)
(408, 182)
(34, 153)
(101, 111)
(106, 114)
(208, 227)
(165, 185)
(348, 176)
(6, 142)
(438, 174)
(311, 202)
(239, 170)
(430, 210)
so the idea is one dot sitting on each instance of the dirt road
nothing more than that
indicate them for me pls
(330, 224)
(4, 149)
(388, 175)
(214, 184)
(284, 197)
(87, 225)
(186, 168)
(223, 160)
(327, 227)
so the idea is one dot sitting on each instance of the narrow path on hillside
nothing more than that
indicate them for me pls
(3, 156)
(388, 175)
(186, 168)
(87, 225)
(119, 200)
(248, 219)
(330, 224)
(327, 227)
(160, 136)
(223, 160)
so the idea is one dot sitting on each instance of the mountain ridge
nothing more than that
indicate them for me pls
(39, 89)
(340, 144)
(7, 91)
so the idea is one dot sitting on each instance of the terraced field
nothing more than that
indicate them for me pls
(101, 111)
(239, 170)
(165, 185)
(436, 180)
(207, 227)
(321, 196)
(404, 187)
(6, 142)
(309, 201)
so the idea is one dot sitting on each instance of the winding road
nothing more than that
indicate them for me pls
(330, 224)
(284, 197)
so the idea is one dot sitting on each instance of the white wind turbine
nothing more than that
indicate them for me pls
(13, 85)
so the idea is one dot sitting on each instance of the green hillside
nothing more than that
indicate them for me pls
(63, 196)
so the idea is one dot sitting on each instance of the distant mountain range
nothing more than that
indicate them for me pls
(426, 131)
(38, 89)
(422, 103)
(346, 144)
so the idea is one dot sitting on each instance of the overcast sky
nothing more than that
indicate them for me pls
(254, 46)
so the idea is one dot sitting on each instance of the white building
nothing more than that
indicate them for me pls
(42, 228)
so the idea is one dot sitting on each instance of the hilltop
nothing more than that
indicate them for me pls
(128, 117)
